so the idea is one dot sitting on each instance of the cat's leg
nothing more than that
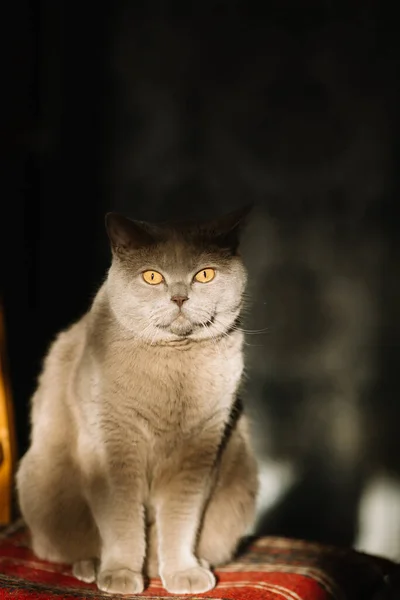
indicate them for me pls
(179, 499)
(53, 507)
(85, 570)
(151, 564)
(115, 496)
(230, 512)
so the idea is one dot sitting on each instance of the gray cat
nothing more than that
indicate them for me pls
(140, 462)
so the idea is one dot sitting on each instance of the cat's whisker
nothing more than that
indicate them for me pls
(207, 325)
(222, 328)
(248, 331)
(145, 333)
(212, 338)
(221, 332)
(255, 331)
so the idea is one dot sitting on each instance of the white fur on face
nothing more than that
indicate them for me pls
(149, 313)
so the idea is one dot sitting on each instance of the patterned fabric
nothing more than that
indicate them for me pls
(268, 569)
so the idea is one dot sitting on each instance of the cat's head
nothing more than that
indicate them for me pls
(176, 280)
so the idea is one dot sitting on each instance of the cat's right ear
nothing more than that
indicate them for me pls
(126, 235)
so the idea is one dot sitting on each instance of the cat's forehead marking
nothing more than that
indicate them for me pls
(178, 255)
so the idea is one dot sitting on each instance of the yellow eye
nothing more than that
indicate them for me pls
(152, 277)
(205, 275)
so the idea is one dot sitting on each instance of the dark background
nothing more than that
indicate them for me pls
(165, 108)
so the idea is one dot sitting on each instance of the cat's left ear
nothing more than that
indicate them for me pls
(126, 235)
(227, 230)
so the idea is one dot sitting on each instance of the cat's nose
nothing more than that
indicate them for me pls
(179, 300)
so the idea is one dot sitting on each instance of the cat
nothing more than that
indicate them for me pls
(140, 462)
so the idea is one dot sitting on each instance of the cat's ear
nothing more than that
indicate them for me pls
(226, 230)
(126, 235)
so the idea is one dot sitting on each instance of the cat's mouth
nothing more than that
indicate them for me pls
(183, 326)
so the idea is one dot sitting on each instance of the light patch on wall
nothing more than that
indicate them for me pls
(276, 478)
(379, 518)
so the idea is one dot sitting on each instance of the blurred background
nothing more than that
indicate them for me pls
(160, 109)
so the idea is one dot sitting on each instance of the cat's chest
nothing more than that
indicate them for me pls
(176, 389)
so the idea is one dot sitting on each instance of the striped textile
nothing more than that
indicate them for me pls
(267, 569)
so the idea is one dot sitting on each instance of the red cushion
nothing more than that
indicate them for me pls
(270, 569)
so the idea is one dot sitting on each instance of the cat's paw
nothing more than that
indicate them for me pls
(204, 563)
(191, 581)
(85, 570)
(120, 581)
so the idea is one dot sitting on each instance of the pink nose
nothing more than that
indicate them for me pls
(179, 300)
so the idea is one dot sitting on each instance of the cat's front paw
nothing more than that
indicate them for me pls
(120, 581)
(85, 570)
(191, 581)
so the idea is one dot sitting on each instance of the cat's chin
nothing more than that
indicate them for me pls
(181, 326)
